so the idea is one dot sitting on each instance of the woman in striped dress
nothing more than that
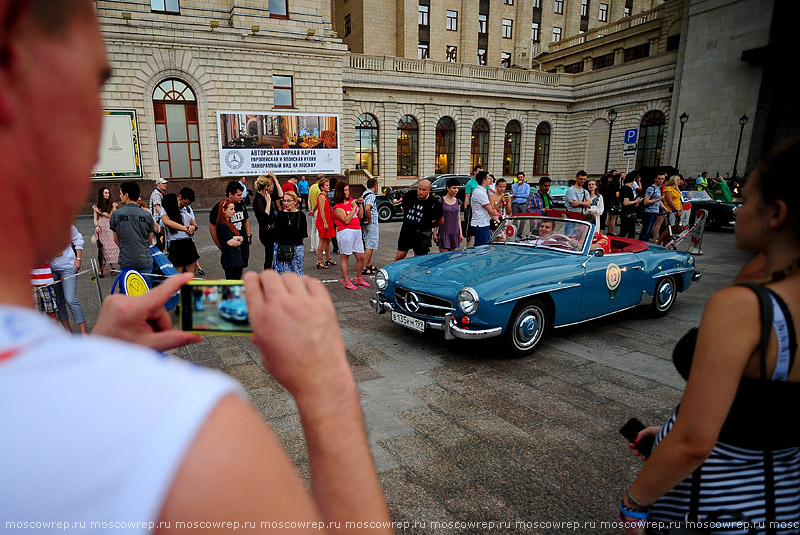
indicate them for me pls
(724, 424)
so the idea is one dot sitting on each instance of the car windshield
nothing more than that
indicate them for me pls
(440, 182)
(695, 195)
(547, 232)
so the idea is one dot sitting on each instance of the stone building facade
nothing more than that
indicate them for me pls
(519, 105)
(404, 117)
(517, 29)
(227, 53)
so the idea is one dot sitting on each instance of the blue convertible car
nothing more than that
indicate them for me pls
(535, 273)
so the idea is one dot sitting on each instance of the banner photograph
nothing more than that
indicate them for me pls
(118, 153)
(252, 143)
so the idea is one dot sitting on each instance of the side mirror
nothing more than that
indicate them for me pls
(596, 252)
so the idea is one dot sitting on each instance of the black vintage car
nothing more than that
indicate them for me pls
(388, 208)
(438, 186)
(720, 213)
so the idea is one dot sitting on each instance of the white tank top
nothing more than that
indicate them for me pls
(92, 430)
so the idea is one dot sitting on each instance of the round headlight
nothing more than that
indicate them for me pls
(467, 301)
(381, 279)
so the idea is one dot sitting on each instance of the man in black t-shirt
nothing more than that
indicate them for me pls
(240, 219)
(629, 202)
(421, 212)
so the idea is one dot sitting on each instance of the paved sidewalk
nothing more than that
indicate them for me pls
(460, 433)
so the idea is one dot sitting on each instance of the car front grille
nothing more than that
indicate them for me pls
(421, 304)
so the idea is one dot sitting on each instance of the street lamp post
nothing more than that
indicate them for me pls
(612, 116)
(742, 122)
(684, 117)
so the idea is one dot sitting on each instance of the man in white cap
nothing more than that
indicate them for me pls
(156, 198)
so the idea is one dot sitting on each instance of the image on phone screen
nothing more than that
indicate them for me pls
(214, 308)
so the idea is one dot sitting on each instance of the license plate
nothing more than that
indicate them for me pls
(407, 321)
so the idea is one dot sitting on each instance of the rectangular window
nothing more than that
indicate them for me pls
(422, 18)
(537, 4)
(347, 27)
(584, 8)
(637, 52)
(483, 23)
(628, 8)
(603, 12)
(559, 7)
(508, 26)
(556, 34)
(452, 20)
(452, 53)
(481, 56)
(601, 62)
(505, 59)
(165, 6)
(279, 9)
(574, 68)
(673, 42)
(422, 51)
(283, 91)
(535, 32)
(508, 2)
(581, 37)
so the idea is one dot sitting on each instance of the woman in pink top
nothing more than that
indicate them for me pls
(348, 232)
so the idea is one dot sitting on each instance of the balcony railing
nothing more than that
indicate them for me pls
(444, 68)
(608, 29)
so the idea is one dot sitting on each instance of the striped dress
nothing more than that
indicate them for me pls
(733, 477)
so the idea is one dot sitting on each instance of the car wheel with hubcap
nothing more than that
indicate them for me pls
(527, 327)
(385, 213)
(664, 297)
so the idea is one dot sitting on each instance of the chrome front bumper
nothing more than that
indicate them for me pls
(449, 324)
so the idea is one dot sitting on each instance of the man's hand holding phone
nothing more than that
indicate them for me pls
(144, 320)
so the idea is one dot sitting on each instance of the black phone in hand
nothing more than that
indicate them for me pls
(631, 429)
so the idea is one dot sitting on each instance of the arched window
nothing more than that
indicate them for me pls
(651, 139)
(177, 130)
(407, 146)
(367, 143)
(541, 157)
(480, 144)
(445, 145)
(511, 148)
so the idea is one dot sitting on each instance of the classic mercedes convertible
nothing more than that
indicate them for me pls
(536, 273)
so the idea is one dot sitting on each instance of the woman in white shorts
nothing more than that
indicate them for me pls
(348, 233)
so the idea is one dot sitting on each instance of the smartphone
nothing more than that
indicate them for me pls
(214, 307)
(631, 429)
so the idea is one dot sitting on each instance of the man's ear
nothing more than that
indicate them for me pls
(10, 17)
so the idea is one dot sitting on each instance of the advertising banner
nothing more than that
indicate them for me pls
(252, 143)
(118, 153)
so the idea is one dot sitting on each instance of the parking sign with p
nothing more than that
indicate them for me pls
(631, 135)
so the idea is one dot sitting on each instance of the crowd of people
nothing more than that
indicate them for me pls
(349, 226)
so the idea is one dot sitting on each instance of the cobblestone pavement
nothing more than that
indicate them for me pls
(460, 433)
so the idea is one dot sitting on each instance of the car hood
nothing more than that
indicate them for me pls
(477, 264)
